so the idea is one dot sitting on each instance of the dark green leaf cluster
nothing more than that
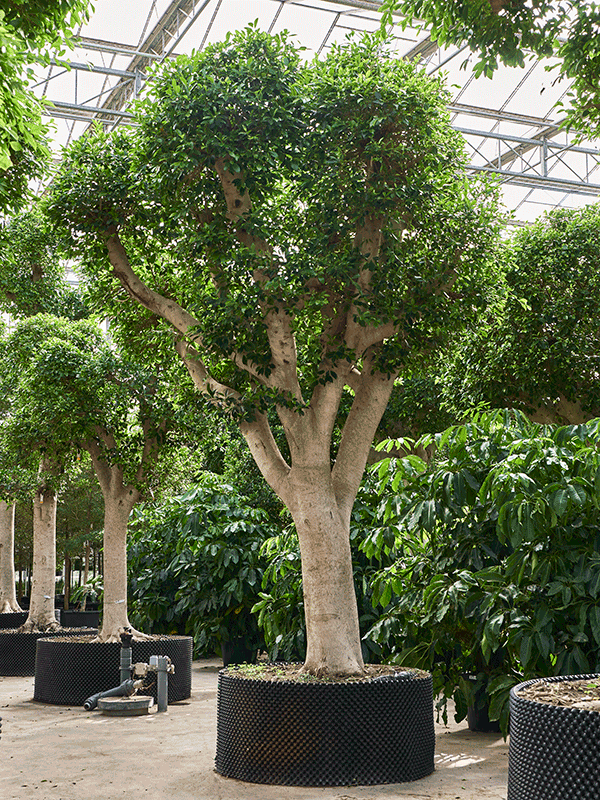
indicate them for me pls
(70, 388)
(32, 272)
(42, 20)
(497, 571)
(196, 567)
(498, 30)
(27, 28)
(315, 154)
(539, 341)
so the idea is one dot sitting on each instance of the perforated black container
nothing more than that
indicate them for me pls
(67, 672)
(80, 619)
(17, 650)
(554, 752)
(325, 734)
(13, 619)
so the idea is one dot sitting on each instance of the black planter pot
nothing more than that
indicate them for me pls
(478, 710)
(68, 671)
(325, 734)
(17, 650)
(80, 619)
(554, 752)
(13, 619)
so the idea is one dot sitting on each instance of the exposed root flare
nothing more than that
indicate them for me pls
(8, 607)
(321, 670)
(115, 636)
(31, 627)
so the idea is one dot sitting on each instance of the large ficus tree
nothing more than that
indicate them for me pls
(306, 229)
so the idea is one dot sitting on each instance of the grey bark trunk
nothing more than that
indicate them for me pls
(8, 591)
(331, 613)
(41, 608)
(117, 508)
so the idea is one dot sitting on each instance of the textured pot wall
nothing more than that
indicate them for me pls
(68, 672)
(315, 734)
(13, 619)
(80, 619)
(554, 752)
(17, 650)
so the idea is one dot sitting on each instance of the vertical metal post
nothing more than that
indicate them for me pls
(160, 664)
(125, 665)
(545, 157)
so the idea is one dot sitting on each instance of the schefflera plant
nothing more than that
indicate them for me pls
(497, 568)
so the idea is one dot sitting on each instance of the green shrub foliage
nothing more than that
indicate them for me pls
(196, 568)
(496, 567)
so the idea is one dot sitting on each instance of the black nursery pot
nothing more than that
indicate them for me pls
(18, 650)
(68, 671)
(80, 619)
(325, 734)
(13, 619)
(554, 751)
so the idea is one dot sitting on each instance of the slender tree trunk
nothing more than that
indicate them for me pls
(8, 592)
(86, 572)
(67, 581)
(41, 606)
(118, 504)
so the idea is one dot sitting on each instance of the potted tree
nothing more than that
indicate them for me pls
(328, 234)
(83, 394)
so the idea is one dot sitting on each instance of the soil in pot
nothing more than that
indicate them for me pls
(286, 729)
(70, 669)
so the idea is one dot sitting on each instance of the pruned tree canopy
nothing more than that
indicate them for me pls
(306, 230)
(538, 348)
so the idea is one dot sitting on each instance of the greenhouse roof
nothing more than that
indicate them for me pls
(511, 123)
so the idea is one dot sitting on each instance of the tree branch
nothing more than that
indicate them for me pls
(370, 400)
(166, 308)
(266, 453)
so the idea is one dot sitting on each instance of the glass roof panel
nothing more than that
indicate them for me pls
(509, 122)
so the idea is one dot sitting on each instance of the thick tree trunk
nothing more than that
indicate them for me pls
(8, 592)
(41, 607)
(118, 504)
(330, 608)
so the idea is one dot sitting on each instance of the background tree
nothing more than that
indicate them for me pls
(8, 591)
(510, 31)
(538, 347)
(32, 279)
(28, 31)
(31, 448)
(303, 230)
(82, 393)
(32, 269)
(79, 523)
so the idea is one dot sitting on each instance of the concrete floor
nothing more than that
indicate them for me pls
(65, 753)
